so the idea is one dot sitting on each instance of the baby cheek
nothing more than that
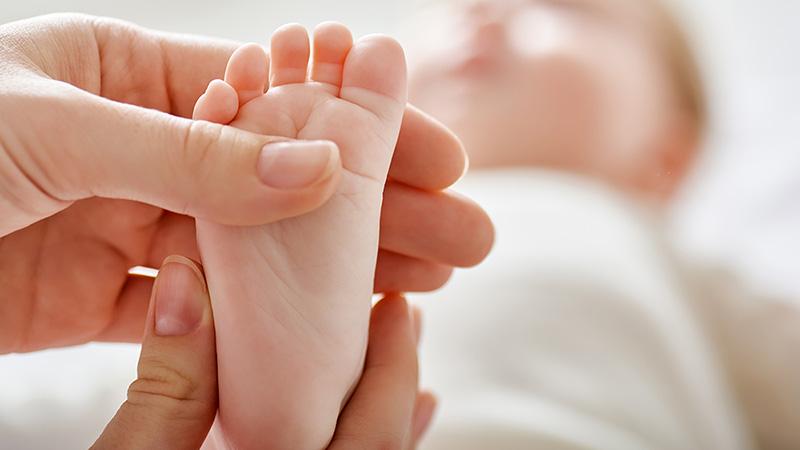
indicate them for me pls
(635, 104)
(563, 94)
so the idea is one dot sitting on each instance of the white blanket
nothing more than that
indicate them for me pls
(576, 332)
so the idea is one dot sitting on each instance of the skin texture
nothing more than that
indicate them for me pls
(301, 288)
(173, 401)
(575, 85)
(100, 171)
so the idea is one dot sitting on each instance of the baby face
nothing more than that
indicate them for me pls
(579, 85)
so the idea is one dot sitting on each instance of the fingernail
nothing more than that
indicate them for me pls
(296, 164)
(180, 297)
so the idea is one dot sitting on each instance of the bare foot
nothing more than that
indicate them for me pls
(292, 299)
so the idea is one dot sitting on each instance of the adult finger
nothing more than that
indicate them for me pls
(379, 413)
(204, 170)
(428, 155)
(173, 402)
(443, 227)
(426, 401)
(399, 273)
(423, 415)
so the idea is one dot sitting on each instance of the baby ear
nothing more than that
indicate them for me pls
(675, 151)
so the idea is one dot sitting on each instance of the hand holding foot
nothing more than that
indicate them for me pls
(89, 138)
(92, 159)
(174, 400)
(299, 290)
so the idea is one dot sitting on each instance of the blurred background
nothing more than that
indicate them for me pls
(741, 207)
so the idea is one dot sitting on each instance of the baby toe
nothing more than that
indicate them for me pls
(331, 43)
(289, 51)
(374, 77)
(219, 104)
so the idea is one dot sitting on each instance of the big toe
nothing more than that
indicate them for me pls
(374, 77)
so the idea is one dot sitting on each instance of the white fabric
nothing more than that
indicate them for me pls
(62, 398)
(741, 207)
(577, 332)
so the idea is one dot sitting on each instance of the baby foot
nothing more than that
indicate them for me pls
(292, 299)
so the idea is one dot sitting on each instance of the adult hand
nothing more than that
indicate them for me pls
(101, 171)
(173, 402)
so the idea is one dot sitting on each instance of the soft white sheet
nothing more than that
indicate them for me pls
(578, 332)
(62, 399)
(742, 206)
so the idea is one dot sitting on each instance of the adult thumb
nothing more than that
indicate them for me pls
(208, 171)
(173, 402)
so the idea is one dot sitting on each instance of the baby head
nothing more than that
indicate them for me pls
(606, 88)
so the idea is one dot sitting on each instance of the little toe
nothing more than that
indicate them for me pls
(247, 71)
(331, 43)
(374, 76)
(289, 51)
(219, 104)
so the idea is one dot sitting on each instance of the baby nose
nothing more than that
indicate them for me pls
(493, 10)
(485, 11)
(488, 22)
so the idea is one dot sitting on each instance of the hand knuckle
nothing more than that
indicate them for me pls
(161, 384)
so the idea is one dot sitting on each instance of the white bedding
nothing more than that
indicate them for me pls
(62, 399)
(577, 332)
(742, 206)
